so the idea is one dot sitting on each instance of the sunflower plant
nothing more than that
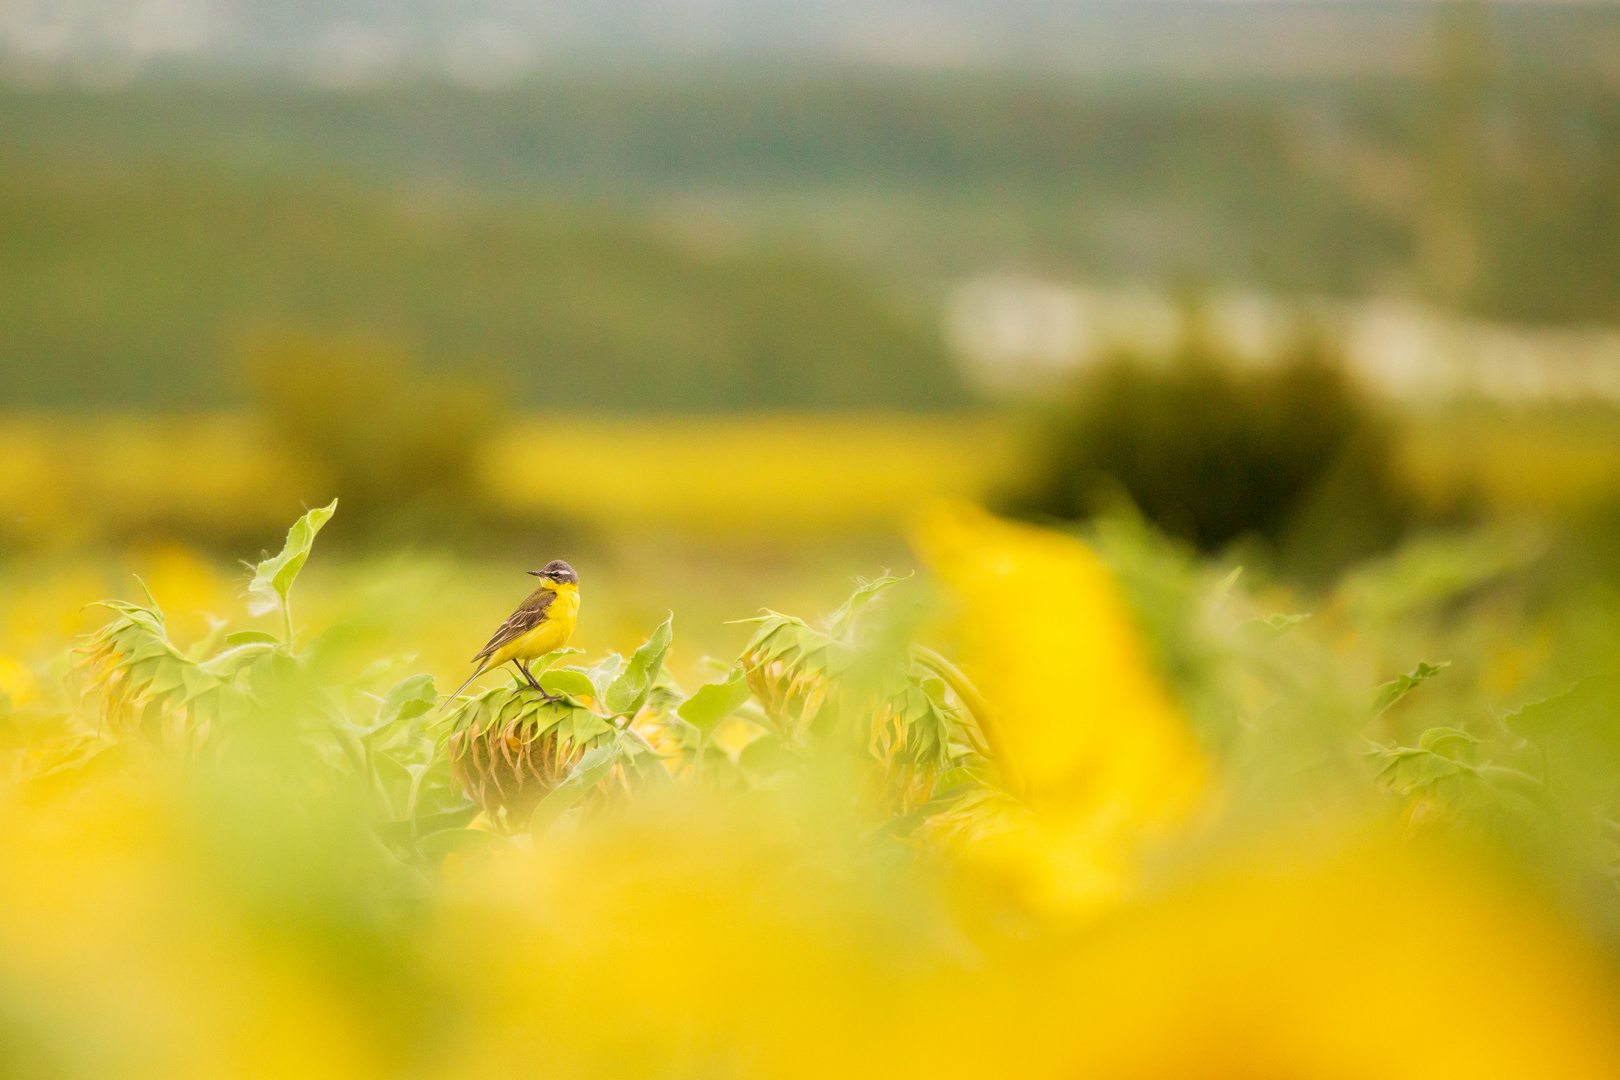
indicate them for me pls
(234, 690)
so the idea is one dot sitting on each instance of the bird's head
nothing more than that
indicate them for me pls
(557, 572)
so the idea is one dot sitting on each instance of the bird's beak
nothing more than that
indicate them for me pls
(536, 573)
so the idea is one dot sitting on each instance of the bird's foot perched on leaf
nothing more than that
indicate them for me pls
(545, 695)
(534, 684)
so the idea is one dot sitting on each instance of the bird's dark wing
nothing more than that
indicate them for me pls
(530, 614)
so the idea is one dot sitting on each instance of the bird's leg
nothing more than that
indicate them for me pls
(529, 675)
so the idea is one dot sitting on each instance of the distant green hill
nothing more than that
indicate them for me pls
(139, 288)
(144, 233)
(747, 240)
(934, 174)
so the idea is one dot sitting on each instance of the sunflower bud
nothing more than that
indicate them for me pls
(509, 748)
(786, 667)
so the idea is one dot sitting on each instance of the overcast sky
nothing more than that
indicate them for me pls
(493, 42)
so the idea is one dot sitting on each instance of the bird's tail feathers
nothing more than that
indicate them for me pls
(463, 686)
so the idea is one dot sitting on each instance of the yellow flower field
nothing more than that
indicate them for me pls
(1054, 805)
(77, 480)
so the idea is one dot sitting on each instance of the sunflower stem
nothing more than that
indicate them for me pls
(978, 709)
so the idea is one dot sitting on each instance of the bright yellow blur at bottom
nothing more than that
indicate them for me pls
(120, 957)
(1336, 956)
(682, 939)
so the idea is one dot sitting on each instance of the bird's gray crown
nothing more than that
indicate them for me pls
(558, 571)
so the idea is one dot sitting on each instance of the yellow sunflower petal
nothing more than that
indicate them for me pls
(1093, 741)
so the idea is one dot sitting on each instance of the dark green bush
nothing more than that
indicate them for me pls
(1211, 452)
(394, 442)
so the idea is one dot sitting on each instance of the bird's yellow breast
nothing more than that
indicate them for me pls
(550, 635)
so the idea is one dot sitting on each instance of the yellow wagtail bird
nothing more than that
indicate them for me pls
(543, 623)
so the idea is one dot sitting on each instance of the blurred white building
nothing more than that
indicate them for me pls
(1022, 335)
(1016, 334)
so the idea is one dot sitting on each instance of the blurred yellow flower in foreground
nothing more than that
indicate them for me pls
(1093, 743)
(682, 940)
(692, 937)
(17, 682)
(1332, 956)
(136, 960)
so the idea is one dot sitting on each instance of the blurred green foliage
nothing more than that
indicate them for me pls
(1211, 452)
